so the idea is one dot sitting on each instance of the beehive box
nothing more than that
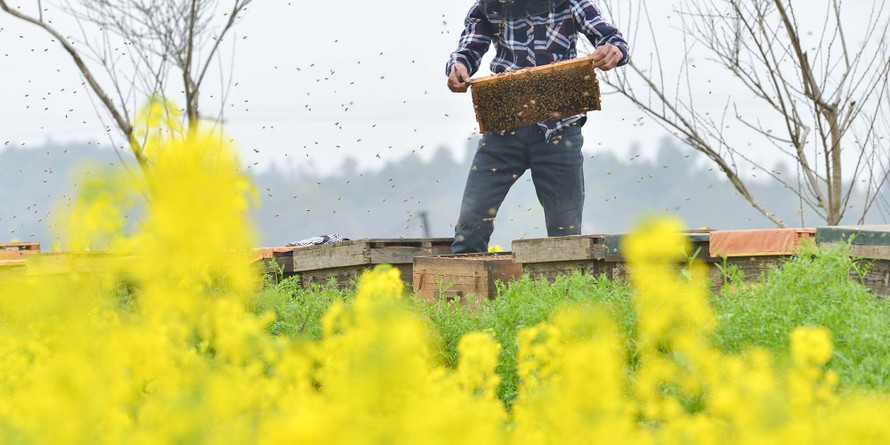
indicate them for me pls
(13, 255)
(344, 262)
(547, 258)
(274, 259)
(756, 252)
(87, 262)
(531, 95)
(870, 245)
(471, 277)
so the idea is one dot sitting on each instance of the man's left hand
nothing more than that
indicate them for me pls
(606, 57)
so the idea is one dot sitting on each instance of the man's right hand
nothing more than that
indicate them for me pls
(459, 79)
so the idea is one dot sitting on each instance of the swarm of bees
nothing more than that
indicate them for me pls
(531, 95)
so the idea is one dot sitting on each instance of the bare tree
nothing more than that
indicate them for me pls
(132, 49)
(827, 93)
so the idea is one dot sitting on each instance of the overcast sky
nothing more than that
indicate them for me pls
(317, 82)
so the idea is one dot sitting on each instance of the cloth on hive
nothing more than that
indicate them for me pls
(318, 240)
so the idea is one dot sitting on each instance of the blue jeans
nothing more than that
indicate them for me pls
(557, 173)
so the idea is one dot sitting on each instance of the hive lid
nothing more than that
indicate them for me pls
(860, 235)
(763, 242)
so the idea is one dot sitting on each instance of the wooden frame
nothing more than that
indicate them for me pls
(870, 246)
(15, 254)
(345, 262)
(531, 95)
(472, 277)
(547, 258)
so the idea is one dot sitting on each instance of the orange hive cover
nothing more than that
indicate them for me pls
(734, 243)
(267, 253)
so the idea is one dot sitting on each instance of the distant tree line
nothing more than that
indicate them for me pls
(388, 202)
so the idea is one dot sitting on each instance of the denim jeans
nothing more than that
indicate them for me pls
(557, 173)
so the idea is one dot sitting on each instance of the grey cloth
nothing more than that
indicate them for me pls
(318, 240)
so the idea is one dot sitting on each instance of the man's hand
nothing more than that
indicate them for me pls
(606, 57)
(459, 79)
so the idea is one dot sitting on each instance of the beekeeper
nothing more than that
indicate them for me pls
(528, 33)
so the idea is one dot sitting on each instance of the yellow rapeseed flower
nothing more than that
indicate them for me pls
(182, 360)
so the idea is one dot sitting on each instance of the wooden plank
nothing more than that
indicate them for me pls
(404, 254)
(78, 262)
(556, 249)
(346, 277)
(753, 267)
(472, 277)
(345, 262)
(870, 252)
(18, 251)
(326, 256)
(698, 239)
(877, 278)
(367, 251)
(553, 269)
(17, 254)
(20, 246)
(11, 263)
(860, 235)
(414, 242)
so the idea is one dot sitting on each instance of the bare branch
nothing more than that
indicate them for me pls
(122, 123)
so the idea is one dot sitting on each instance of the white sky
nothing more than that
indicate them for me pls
(317, 82)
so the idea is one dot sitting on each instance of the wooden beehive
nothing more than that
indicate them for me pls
(274, 259)
(531, 95)
(869, 245)
(344, 262)
(470, 277)
(15, 254)
(756, 252)
(547, 258)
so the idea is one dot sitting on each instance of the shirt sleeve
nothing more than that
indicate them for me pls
(597, 30)
(474, 41)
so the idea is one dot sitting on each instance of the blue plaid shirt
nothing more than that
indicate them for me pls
(534, 41)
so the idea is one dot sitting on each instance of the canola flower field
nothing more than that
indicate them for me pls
(182, 346)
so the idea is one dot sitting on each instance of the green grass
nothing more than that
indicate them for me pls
(525, 303)
(812, 289)
(298, 311)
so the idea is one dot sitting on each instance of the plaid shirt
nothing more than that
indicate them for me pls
(534, 41)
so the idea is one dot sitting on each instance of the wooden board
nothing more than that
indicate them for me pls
(870, 252)
(344, 262)
(367, 251)
(548, 258)
(699, 241)
(472, 277)
(753, 267)
(557, 249)
(346, 277)
(275, 259)
(531, 95)
(870, 242)
(18, 251)
(551, 270)
(870, 246)
(11, 264)
(80, 262)
(876, 278)
(591, 247)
